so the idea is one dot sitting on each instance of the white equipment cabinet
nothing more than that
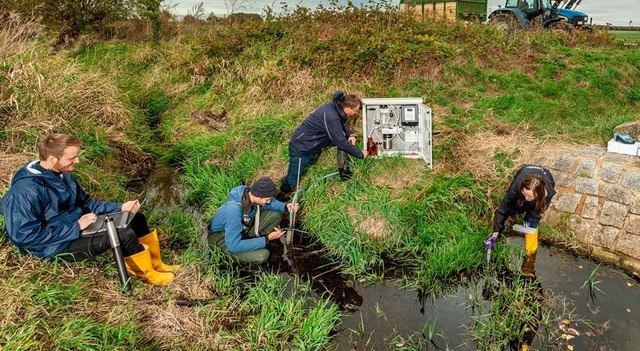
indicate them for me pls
(398, 126)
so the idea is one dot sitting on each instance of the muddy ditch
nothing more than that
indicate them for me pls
(384, 316)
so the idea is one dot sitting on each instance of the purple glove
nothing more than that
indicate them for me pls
(490, 242)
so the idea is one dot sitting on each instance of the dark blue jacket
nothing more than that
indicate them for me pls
(509, 204)
(42, 208)
(325, 127)
(229, 219)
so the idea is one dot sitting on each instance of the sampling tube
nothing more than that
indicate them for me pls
(117, 253)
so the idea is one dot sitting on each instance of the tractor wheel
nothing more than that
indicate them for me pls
(506, 21)
(535, 23)
(587, 29)
(561, 26)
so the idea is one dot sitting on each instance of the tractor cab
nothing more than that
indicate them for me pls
(529, 8)
(550, 14)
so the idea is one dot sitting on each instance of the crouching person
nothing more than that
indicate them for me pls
(45, 211)
(248, 220)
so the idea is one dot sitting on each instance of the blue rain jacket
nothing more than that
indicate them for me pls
(325, 127)
(229, 219)
(42, 208)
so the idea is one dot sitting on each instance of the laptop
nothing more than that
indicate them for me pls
(120, 219)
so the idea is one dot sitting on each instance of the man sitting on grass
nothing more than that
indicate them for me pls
(45, 210)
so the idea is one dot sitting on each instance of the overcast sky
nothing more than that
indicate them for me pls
(617, 12)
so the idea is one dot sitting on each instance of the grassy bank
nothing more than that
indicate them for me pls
(219, 102)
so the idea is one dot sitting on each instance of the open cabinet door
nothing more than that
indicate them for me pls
(426, 147)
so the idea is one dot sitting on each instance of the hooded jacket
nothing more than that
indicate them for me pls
(42, 208)
(509, 204)
(229, 219)
(325, 127)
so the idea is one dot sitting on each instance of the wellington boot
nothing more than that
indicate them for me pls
(153, 242)
(345, 174)
(140, 266)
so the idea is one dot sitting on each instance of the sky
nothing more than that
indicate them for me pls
(616, 12)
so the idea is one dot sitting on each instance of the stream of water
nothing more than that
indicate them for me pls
(382, 316)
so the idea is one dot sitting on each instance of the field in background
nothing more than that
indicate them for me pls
(627, 35)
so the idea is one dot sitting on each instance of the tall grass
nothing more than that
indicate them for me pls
(265, 77)
(44, 92)
(278, 316)
(514, 316)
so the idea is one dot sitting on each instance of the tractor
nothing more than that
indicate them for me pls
(534, 14)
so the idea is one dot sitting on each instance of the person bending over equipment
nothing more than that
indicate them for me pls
(45, 210)
(248, 220)
(323, 128)
(530, 193)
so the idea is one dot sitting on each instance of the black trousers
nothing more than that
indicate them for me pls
(90, 246)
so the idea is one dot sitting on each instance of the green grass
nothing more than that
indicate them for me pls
(518, 308)
(281, 310)
(627, 35)
(266, 77)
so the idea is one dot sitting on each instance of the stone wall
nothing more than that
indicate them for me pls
(598, 200)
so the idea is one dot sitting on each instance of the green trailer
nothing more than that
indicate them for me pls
(469, 10)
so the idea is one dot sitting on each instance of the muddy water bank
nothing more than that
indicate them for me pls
(163, 189)
(383, 316)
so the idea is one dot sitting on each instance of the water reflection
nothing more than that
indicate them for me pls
(384, 316)
(163, 189)
(556, 296)
(307, 260)
(535, 297)
(529, 264)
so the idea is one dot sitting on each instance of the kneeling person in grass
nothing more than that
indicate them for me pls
(45, 210)
(248, 220)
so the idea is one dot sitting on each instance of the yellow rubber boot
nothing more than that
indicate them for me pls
(153, 242)
(139, 265)
(531, 242)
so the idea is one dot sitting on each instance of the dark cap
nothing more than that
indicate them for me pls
(263, 187)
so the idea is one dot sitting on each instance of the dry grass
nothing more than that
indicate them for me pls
(277, 170)
(476, 152)
(398, 178)
(133, 163)
(432, 70)
(42, 92)
(286, 85)
(374, 225)
(152, 308)
(216, 122)
(177, 326)
(17, 35)
(10, 164)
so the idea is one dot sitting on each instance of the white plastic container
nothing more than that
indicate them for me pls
(522, 229)
(620, 148)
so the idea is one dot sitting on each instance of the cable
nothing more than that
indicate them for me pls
(91, 237)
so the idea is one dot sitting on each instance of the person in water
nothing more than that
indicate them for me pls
(530, 193)
(248, 220)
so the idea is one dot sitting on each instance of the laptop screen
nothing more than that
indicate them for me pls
(120, 219)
